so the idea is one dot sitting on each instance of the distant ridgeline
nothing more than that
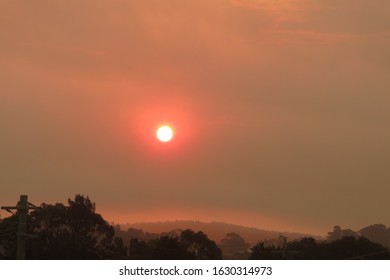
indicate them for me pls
(75, 231)
(239, 242)
(214, 230)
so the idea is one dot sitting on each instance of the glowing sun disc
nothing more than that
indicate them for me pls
(164, 133)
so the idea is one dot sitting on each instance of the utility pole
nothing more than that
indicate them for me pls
(22, 208)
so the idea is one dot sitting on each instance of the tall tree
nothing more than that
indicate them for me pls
(74, 231)
(200, 245)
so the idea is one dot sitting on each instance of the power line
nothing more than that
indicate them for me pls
(371, 254)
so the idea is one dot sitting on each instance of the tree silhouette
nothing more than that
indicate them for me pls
(8, 229)
(262, 252)
(189, 245)
(339, 233)
(348, 247)
(170, 248)
(75, 231)
(140, 250)
(377, 233)
(234, 246)
(200, 245)
(307, 249)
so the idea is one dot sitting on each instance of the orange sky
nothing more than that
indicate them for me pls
(280, 109)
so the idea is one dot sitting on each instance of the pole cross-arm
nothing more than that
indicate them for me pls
(10, 207)
(22, 207)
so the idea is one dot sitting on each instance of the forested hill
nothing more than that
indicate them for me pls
(215, 230)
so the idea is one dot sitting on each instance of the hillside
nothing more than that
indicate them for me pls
(215, 230)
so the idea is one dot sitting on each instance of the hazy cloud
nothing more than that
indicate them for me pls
(281, 106)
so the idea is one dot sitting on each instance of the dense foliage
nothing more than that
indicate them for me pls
(57, 231)
(188, 246)
(348, 247)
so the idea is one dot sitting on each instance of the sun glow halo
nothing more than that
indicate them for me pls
(164, 133)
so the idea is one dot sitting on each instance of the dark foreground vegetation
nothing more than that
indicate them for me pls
(76, 231)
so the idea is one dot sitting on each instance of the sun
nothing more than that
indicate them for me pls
(164, 133)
